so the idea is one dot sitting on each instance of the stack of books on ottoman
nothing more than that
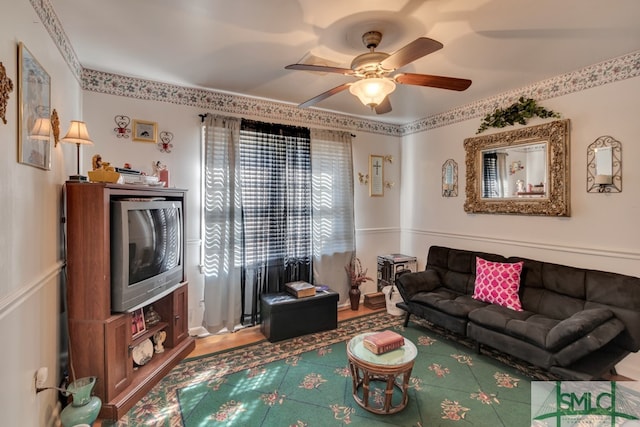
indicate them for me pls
(300, 289)
(383, 342)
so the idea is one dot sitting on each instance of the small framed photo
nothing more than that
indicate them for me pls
(137, 323)
(145, 131)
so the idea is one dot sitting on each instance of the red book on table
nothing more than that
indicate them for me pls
(382, 342)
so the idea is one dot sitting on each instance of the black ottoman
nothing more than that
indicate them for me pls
(285, 316)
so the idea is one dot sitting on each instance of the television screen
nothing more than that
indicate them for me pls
(154, 242)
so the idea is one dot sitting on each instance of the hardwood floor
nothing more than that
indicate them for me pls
(214, 343)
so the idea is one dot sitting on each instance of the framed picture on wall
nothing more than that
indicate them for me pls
(376, 175)
(34, 110)
(145, 131)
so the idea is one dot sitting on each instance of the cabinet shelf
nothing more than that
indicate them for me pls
(148, 333)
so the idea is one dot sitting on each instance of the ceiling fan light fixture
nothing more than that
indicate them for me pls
(372, 91)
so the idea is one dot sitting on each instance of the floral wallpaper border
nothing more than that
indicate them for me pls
(616, 69)
(114, 84)
(613, 70)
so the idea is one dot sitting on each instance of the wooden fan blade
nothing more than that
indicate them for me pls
(324, 95)
(416, 49)
(321, 68)
(440, 82)
(384, 106)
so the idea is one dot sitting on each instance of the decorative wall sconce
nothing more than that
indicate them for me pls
(450, 178)
(55, 127)
(165, 144)
(6, 86)
(604, 166)
(122, 130)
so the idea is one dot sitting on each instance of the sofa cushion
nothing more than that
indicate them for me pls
(576, 326)
(498, 283)
(597, 338)
(410, 284)
(534, 329)
(545, 332)
(448, 302)
(497, 317)
(524, 325)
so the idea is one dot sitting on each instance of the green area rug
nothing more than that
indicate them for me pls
(306, 382)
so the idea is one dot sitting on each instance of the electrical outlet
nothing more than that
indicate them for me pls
(41, 377)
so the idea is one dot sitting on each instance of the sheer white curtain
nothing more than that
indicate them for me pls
(333, 214)
(222, 225)
(502, 176)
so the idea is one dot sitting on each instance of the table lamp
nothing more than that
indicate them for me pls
(78, 134)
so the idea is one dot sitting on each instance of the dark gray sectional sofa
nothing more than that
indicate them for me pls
(576, 323)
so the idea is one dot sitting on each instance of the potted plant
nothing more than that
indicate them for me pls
(357, 276)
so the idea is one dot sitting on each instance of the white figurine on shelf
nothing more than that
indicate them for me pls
(161, 171)
(158, 339)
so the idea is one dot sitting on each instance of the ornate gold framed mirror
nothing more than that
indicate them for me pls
(524, 171)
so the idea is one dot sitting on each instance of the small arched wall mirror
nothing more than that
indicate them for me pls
(524, 171)
(450, 178)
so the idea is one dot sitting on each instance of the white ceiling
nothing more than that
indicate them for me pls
(242, 46)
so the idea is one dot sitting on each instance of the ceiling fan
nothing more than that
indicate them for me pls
(374, 69)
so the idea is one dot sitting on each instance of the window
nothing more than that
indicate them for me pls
(275, 181)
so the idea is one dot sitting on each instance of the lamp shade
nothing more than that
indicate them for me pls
(41, 129)
(77, 133)
(372, 91)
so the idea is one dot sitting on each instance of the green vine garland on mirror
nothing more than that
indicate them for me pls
(518, 112)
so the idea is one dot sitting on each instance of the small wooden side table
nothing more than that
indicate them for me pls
(393, 368)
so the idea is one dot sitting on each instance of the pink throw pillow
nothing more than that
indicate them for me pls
(498, 283)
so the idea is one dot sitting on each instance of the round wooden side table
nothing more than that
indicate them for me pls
(393, 368)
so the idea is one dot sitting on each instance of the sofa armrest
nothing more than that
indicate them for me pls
(576, 326)
(410, 284)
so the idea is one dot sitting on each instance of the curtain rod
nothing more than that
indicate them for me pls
(205, 115)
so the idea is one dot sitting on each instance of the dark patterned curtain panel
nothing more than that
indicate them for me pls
(275, 165)
(490, 175)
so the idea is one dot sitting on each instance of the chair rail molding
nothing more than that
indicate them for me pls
(591, 251)
(15, 298)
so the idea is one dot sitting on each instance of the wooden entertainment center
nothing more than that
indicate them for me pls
(100, 341)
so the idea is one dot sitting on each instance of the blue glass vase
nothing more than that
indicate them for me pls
(84, 408)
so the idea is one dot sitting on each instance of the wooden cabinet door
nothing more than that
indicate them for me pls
(118, 356)
(180, 314)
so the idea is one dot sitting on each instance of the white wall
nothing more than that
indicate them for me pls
(31, 260)
(602, 232)
(377, 218)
